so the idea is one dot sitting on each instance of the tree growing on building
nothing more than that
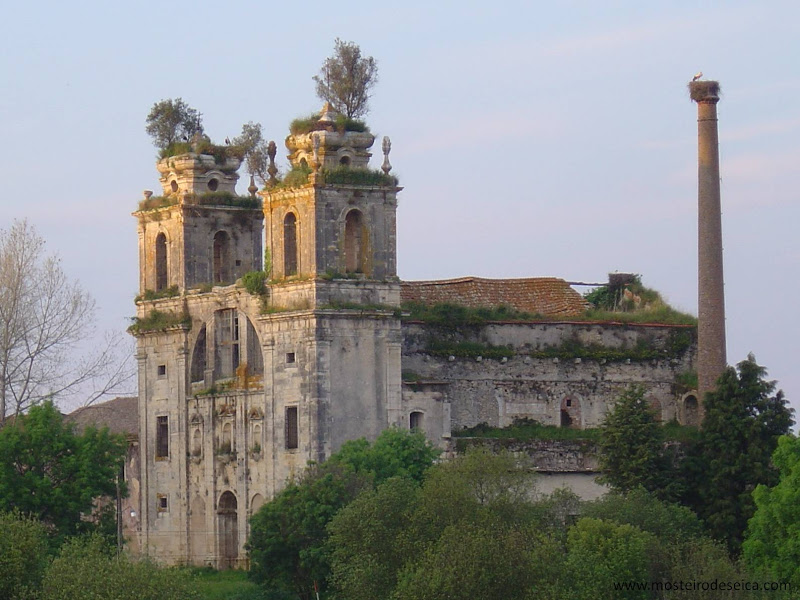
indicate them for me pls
(346, 79)
(255, 150)
(171, 121)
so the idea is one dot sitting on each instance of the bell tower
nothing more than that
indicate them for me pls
(199, 232)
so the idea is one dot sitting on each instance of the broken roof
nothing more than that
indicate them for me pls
(547, 296)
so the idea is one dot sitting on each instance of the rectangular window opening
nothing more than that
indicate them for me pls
(163, 505)
(162, 370)
(162, 437)
(291, 428)
(290, 358)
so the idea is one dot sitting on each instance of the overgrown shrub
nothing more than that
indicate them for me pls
(255, 282)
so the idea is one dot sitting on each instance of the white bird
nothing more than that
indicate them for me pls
(698, 76)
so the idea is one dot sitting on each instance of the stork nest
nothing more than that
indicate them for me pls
(701, 91)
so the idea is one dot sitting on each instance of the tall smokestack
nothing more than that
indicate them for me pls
(711, 359)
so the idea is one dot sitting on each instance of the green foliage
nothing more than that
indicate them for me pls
(231, 584)
(304, 125)
(395, 453)
(255, 282)
(254, 149)
(23, 555)
(346, 78)
(349, 176)
(667, 521)
(150, 295)
(744, 418)
(171, 121)
(296, 177)
(88, 568)
(288, 544)
(467, 349)
(156, 202)
(631, 449)
(662, 315)
(157, 320)
(454, 316)
(686, 381)
(523, 428)
(48, 471)
(601, 553)
(772, 541)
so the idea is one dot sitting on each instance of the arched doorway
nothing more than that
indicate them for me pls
(691, 412)
(228, 531)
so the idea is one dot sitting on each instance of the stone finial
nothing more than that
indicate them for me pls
(272, 150)
(252, 188)
(147, 194)
(387, 147)
(315, 159)
(327, 114)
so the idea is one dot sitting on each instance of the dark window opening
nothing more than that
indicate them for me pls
(290, 245)
(690, 411)
(569, 402)
(199, 357)
(291, 428)
(213, 184)
(566, 420)
(162, 370)
(221, 257)
(163, 505)
(415, 420)
(161, 262)
(290, 358)
(162, 437)
(345, 161)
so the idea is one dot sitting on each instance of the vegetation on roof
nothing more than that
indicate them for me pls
(303, 125)
(156, 202)
(224, 199)
(454, 315)
(149, 295)
(633, 303)
(157, 320)
(348, 175)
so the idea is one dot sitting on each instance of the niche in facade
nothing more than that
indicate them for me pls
(354, 242)
(228, 530)
(198, 371)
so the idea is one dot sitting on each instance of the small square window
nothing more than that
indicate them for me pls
(238, 263)
(162, 370)
(290, 358)
(163, 505)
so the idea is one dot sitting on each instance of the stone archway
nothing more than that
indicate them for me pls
(228, 527)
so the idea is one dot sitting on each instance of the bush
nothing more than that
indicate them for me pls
(23, 555)
(255, 282)
(87, 568)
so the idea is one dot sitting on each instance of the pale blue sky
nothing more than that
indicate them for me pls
(531, 138)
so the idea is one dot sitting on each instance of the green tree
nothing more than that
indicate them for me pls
(772, 541)
(88, 568)
(744, 418)
(346, 78)
(631, 448)
(288, 541)
(171, 121)
(23, 556)
(252, 143)
(48, 471)
(601, 553)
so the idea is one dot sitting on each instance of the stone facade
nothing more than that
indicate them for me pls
(237, 392)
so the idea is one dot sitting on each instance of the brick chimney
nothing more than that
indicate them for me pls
(711, 356)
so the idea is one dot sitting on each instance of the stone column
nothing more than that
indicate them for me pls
(711, 359)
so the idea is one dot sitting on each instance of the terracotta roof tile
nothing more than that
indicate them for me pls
(120, 415)
(548, 296)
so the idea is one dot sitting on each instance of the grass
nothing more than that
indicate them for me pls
(633, 303)
(347, 175)
(525, 429)
(148, 295)
(454, 316)
(225, 585)
(158, 320)
(156, 202)
(255, 282)
(304, 125)
(224, 199)
(220, 153)
(439, 347)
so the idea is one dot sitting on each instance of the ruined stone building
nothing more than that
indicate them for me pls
(239, 387)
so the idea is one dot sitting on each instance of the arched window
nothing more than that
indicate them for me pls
(222, 271)
(228, 531)
(161, 262)
(198, 372)
(354, 242)
(691, 411)
(290, 245)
